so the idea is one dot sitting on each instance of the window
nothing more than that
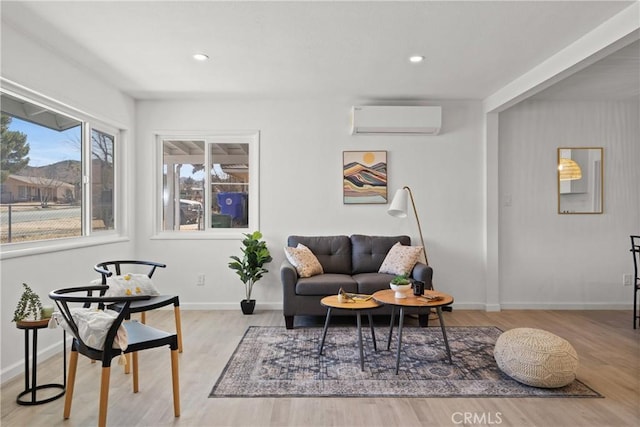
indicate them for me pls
(102, 180)
(209, 183)
(52, 164)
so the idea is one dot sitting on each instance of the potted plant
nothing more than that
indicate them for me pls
(29, 307)
(401, 279)
(250, 266)
(400, 284)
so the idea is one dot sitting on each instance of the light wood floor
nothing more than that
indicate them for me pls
(609, 351)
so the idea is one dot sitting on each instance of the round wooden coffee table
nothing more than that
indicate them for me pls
(331, 302)
(430, 299)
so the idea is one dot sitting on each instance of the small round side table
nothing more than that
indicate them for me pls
(31, 389)
(439, 300)
(332, 302)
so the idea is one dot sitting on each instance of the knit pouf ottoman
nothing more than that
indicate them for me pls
(535, 357)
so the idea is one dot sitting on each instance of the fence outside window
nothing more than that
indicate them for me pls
(24, 222)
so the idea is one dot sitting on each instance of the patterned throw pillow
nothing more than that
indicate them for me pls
(303, 260)
(400, 259)
(128, 285)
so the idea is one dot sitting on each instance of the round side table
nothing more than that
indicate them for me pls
(332, 302)
(30, 390)
(439, 300)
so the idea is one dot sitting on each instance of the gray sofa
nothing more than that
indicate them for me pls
(348, 262)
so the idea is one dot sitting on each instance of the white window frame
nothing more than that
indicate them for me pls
(251, 137)
(87, 163)
(88, 121)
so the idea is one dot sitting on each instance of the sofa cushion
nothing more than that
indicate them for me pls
(326, 284)
(400, 259)
(333, 252)
(303, 260)
(368, 283)
(370, 251)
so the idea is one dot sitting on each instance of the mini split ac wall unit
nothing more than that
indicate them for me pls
(396, 120)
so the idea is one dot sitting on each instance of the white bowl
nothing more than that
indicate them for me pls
(400, 289)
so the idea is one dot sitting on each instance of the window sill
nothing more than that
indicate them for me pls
(16, 250)
(201, 235)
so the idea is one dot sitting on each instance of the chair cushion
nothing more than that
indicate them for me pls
(536, 357)
(370, 251)
(303, 260)
(400, 259)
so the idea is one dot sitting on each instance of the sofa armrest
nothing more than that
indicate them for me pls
(423, 273)
(289, 278)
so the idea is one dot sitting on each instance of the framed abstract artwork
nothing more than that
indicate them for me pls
(364, 177)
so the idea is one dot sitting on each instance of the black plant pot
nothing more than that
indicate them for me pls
(247, 306)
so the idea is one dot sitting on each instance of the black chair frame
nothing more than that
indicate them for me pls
(140, 337)
(104, 268)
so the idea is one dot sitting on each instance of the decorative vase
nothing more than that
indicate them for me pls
(247, 306)
(400, 290)
(46, 312)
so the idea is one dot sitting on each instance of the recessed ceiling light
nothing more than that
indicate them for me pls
(415, 59)
(200, 56)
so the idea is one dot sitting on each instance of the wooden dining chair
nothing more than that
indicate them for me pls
(139, 337)
(108, 268)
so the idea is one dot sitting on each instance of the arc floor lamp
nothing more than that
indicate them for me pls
(399, 209)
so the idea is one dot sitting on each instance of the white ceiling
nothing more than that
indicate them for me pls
(309, 48)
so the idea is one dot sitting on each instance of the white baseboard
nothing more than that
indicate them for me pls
(567, 306)
(456, 305)
(228, 306)
(541, 306)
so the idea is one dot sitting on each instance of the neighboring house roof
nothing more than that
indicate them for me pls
(40, 182)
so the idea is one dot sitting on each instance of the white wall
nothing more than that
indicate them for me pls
(40, 69)
(566, 261)
(301, 192)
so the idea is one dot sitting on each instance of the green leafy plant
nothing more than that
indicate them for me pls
(250, 268)
(401, 279)
(29, 306)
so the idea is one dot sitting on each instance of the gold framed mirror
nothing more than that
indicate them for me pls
(580, 180)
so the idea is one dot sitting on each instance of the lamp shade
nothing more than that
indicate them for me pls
(569, 170)
(398, 207)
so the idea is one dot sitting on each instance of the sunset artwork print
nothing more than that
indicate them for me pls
(364, 177)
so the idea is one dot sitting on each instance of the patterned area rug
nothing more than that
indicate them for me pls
(276, 362)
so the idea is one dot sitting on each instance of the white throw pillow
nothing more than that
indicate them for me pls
(93, 326)
(131, 284)
(303, 260)
(400, 259)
